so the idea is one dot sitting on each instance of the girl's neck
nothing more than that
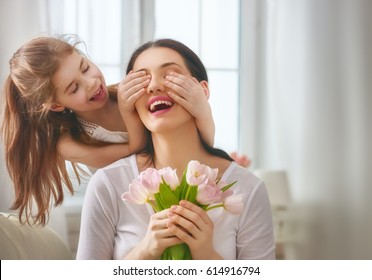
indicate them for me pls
(105, 116)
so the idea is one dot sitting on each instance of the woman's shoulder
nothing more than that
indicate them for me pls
(245, 178)
(123, 163)
(114, 177)
(118, 170)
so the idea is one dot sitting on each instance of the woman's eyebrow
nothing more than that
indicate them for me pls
(170, 64)
(167, 64)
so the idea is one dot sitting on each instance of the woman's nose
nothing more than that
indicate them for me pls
(156, 84)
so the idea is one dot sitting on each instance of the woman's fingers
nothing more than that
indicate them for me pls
(195, 209)
(158, 236)
(191, 224)
(181, 233)
(191, 218)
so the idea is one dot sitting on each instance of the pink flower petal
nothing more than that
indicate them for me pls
(234, 204)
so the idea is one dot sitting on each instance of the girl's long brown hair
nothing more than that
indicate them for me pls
(31, 131)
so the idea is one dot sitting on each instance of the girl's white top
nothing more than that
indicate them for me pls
(99, 133)
(110, 227)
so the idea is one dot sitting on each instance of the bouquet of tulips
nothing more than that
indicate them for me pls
(199, 185)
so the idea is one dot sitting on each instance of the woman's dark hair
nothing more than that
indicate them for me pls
(197, 70)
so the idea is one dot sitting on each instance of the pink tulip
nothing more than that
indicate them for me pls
(221, 184)
(170, 177)
(196, 173)
(137, 193)
(226, 194)
(151, 179)
(208, 193)
(234, 204)
(211, 174)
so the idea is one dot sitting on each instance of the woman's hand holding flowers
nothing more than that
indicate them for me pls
(186, 223)
(192, 225)
(158, 237)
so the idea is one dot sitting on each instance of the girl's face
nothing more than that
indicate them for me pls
(79, 85)
(156, 109)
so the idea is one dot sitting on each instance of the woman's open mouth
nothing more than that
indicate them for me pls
(159, 104)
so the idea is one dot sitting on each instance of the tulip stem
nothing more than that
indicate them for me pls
(214, 206)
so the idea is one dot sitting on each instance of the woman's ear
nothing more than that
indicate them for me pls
(56, 107)
(205, 87)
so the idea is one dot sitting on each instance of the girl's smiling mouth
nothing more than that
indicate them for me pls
(98, 95)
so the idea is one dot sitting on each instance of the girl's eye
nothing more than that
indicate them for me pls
(76, 88)
(86, 69)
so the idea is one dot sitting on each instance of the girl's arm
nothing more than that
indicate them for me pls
(129, 90)
(193, 96)
(93, 156)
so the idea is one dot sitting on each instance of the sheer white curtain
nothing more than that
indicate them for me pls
(313, 110)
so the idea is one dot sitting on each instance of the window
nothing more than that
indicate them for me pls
(211, 29)
(112, 29)
(99, 26)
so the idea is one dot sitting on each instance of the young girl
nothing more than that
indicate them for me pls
(113, 229)
(57, 108)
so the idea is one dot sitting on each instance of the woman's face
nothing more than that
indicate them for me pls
(156, 109)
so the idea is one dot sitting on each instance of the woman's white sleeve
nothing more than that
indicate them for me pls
(97, 229)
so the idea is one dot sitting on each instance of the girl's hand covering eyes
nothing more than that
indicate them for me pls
(193, 96)
(189, 93)
(130, 89)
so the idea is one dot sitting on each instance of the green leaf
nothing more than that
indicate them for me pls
(191, 193)
(167, 196)
(225, 188)
(177, 252)
(177, 191)
(183, 186)
(159, 202)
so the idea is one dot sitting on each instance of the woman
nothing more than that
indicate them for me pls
(112, 229)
